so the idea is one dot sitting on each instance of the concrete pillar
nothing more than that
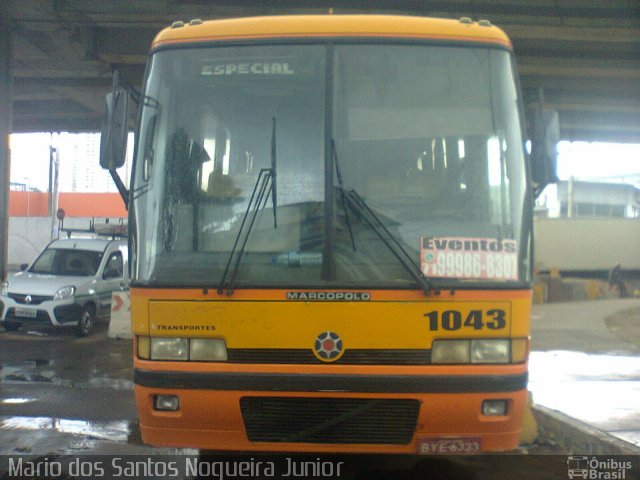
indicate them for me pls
(570, 197)
(6, 120)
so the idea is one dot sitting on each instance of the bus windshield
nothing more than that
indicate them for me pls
(427, 138)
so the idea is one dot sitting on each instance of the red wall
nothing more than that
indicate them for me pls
(34, 204)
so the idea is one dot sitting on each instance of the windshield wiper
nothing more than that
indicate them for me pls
(357, 203)
(342, 193)
(274, 177)
(259, 196)
(265, 185)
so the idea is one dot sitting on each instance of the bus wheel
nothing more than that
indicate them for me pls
(87, 321)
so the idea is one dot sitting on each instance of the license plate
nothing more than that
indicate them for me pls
(26, 312)
(449, 446)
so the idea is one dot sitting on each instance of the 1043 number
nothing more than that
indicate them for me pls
(494, 319)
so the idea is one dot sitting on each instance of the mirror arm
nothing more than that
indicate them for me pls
(122, 189)
(538, 189)
(119, 81)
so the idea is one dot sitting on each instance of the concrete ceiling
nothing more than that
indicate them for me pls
(584, 53)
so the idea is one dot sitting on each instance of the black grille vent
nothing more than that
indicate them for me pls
(350, 357)
(68, 313)
(35, 299)
(329, 420)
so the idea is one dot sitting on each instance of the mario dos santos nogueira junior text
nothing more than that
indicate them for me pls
(168, 467)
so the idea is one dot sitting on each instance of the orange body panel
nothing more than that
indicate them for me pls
(305, 26)
(212, 419)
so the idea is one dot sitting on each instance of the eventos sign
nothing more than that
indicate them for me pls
(462, 257)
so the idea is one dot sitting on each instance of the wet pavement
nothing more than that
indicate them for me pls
(62, 395)
(585, 362)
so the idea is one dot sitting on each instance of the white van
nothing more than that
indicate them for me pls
(69, 284)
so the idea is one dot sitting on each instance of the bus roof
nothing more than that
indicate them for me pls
(299, 26)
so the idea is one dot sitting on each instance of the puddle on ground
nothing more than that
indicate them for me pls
(602, 390)
(45, 371)
(29, 363)
(631, 437)
(16, 401)
(116, 431)
(36, 333)
(29, 371)
(112, 383)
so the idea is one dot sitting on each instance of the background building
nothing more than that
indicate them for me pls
(597, 199)
(78, 159)
(578, 198)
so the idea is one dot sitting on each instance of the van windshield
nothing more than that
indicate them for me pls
(71, 262)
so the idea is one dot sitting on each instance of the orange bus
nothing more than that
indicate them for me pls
(330, 235)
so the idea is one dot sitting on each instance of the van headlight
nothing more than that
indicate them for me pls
(4, 289)
(64, 293)
(489, 350)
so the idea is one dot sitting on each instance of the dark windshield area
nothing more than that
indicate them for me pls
(57, 261)
(428, 138)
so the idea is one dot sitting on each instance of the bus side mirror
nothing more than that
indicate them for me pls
(113, 141)
(544, 132)
(115, 128)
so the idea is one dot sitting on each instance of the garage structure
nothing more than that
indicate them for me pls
(57, 57)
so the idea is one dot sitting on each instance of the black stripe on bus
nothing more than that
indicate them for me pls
(276, 382)
(352, 356)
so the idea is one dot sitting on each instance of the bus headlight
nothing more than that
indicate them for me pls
(480, 351)
(170, 349)
(208, 350)
(490, 351)
(450, 351)
(182, 349)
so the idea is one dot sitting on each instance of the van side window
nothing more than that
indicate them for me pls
(113, 268)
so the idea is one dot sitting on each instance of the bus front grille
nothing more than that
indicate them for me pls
(350, 357)
(329, 420)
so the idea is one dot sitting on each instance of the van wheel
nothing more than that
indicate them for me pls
(87, 321)
(11, 326)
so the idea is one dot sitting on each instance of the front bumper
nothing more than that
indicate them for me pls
(53, 312)
(328, 413)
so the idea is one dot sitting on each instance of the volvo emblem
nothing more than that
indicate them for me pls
(328, 347)
(27, 299)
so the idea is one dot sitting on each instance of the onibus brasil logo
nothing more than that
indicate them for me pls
(597, 469)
